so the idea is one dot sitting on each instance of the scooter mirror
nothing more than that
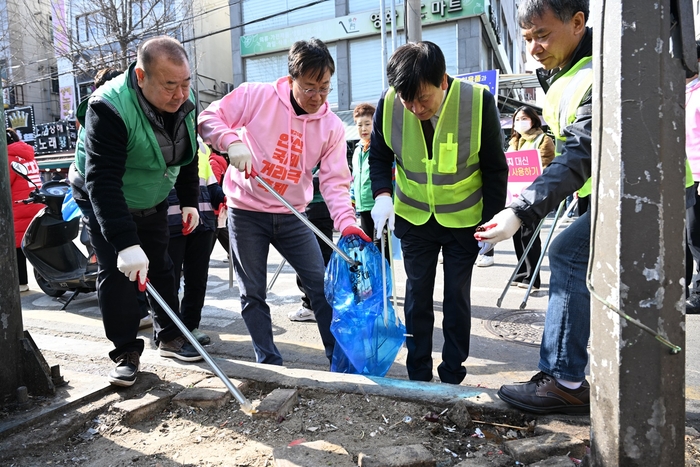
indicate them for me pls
(21, 170)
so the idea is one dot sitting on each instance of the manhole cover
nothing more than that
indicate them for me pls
(522, 327)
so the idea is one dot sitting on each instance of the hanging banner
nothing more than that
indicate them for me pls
(486, 78)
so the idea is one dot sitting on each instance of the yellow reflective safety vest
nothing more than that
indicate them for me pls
(447, 186)
(562, 101)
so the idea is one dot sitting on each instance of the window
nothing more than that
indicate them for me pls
(278, 15)
(54, 80)
(81, 28)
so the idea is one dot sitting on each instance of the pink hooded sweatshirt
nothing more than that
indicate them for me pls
(692, 126)
(285, 148)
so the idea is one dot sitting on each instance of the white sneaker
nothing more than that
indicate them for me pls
(302, 314)
(525, 285)
(484, 261)
(23, 288)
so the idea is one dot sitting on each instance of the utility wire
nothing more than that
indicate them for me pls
(50, 75)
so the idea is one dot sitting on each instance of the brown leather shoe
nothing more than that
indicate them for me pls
(543, 395)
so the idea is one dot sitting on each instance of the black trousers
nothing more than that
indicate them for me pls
(420, 245)
(692, 223)
(190, 255)
(319, 216)
(117, 295)
(22, 267)
(367, 224)
(521, 238)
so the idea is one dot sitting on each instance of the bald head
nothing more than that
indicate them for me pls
(160, 47)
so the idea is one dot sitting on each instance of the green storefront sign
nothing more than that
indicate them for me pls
(357, 25)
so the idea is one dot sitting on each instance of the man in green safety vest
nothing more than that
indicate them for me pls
(451, 174)
(557, 37)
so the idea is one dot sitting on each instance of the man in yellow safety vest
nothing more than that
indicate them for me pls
(451, 174)
(557, 37)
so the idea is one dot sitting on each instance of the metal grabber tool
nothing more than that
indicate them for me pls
(246, 406)
(302, 218)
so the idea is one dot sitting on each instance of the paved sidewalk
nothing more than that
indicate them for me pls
(504, 340)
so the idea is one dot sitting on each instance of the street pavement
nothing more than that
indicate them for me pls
(504, 340)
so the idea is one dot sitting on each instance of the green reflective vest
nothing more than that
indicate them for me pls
(561, 102)
(447, 186)
(147, 180)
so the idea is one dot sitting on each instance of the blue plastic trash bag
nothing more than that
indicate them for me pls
(367, 338)
(70, 209)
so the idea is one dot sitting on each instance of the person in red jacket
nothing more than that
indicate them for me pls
(19, 151)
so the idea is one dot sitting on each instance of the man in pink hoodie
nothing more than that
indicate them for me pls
(692, 220)
(282, 130)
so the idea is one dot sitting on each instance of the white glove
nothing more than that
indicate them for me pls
(190, 220)
(502, 227)
(240, 157)
(133, 262)
(383, 213)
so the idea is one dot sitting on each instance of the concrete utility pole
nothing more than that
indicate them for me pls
(637, 396)
(24, 371)
(10, 308)
(414, 32)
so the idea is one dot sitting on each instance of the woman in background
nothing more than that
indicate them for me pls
(19, 151)
(528, 134)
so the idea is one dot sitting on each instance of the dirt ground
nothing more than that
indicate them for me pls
(188, 436)
(226, 436)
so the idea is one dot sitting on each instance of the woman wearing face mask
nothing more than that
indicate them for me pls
(528, 134)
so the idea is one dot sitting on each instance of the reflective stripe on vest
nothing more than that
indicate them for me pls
(448, 185)
(563, 100)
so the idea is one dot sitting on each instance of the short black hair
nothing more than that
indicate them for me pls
(12, 136)
(414, 64)
(310, 56)
(562, 9)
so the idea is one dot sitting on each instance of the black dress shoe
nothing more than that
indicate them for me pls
(543, 395)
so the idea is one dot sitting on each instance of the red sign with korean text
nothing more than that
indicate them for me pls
(523, 168)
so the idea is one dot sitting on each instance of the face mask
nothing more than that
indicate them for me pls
(521, 126)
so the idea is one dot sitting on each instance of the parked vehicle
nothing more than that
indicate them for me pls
(59, 265)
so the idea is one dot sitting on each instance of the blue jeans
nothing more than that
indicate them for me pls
(567, 324)
(251, 234)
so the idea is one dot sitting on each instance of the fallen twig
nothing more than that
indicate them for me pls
(502, 425)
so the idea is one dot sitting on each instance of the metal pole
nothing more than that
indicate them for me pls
(246, 406)
(413, 21)
(382, 38)
(520, 263)
(274, 276)
(392, 11)
(544, 251)
(303, 218)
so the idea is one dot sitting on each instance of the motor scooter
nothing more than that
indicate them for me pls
(59, 265)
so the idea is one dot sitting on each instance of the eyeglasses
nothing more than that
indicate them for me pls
(313, 92)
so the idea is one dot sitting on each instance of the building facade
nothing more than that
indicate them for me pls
(474, 35)
(27, 63)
